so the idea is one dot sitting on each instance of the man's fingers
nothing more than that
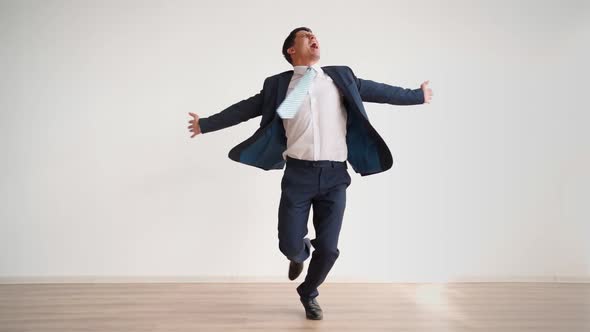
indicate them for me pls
(427, 92)
(192, 128)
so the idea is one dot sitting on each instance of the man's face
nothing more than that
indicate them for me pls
(306, 46)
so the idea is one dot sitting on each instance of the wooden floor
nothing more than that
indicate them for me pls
(499, 307)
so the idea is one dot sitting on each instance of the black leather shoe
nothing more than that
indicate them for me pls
(312, 309)
(295, 270)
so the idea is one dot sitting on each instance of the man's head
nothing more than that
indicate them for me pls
(301, 48)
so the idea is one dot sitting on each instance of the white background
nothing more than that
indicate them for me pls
(99, 177)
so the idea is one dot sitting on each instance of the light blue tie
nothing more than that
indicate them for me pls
(292, 102)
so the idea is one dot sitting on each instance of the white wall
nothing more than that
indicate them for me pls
(99, 177)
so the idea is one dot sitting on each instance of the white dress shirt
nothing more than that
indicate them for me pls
(318, 129)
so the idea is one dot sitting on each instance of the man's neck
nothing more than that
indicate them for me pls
(306, 63)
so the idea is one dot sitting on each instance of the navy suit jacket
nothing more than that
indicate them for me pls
(367, 152)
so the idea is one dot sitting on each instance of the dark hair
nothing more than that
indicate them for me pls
(290, 41)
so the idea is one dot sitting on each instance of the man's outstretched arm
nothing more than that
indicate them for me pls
(376, 92)
(239, 112)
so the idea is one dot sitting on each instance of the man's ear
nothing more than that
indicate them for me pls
(291, 50)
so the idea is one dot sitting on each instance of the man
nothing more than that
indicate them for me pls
(313, 122)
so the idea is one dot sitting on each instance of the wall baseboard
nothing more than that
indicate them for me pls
(273, 279)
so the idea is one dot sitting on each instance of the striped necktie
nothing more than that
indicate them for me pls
(291, 104)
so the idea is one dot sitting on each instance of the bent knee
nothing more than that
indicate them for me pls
(328, 252)
(290, 249)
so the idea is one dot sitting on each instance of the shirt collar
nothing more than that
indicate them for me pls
(301, 69)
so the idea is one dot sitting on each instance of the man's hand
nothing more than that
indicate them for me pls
(427, 92)
(194, 127)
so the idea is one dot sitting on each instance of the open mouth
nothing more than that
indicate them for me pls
(314, 46)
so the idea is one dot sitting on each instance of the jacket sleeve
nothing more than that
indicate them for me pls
(375, 92)
(239, 112)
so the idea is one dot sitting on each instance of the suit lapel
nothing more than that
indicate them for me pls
(341, 86)
(336, 78)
